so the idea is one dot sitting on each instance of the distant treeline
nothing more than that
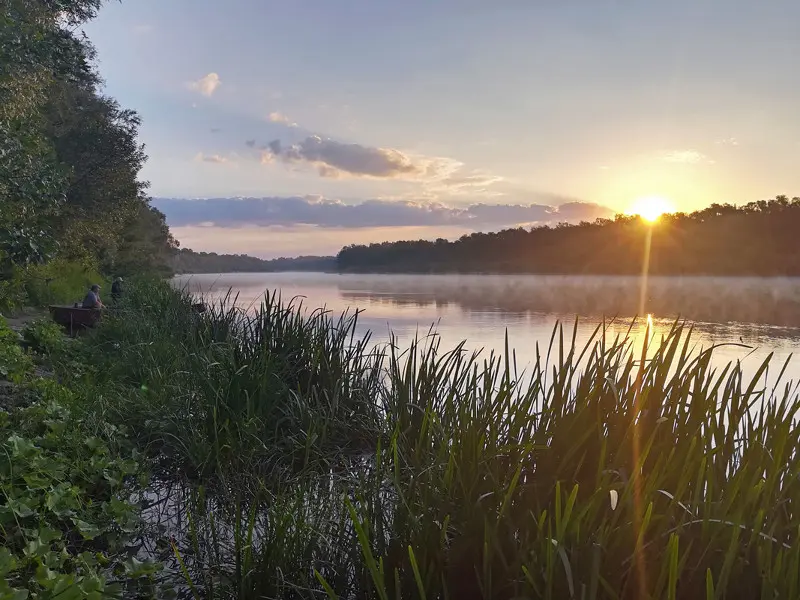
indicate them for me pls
(760, 238)
(189, 261)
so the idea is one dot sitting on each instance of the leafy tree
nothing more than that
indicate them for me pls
(96, 143)
(36, 48)
(69, 156)
(147, 246)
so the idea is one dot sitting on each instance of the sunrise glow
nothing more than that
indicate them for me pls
(650, 208)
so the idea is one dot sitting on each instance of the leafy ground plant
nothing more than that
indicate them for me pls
(65, 525)
(15, 364)
(43, 336)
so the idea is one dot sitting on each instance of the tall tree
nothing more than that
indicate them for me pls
(69, 174)
(36, 48)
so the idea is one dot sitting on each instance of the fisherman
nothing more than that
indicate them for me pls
(116, 290)
(92, 299)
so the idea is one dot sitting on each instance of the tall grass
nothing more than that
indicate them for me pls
(275, 387)
(334, 470)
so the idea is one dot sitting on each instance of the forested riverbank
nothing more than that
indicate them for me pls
(755, 239)
(72, 205)
(276, 455)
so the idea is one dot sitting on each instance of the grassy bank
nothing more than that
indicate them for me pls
(292, 460)
(67, 526)
(57, 282)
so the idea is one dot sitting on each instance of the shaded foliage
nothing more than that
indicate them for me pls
(758, 238)
(69, 184)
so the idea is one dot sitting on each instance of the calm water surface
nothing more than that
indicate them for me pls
(763, 314)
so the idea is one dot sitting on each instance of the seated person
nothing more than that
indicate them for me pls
(92, 299)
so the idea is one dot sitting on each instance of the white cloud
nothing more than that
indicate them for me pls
(206, 85)
(210, 158)
(687, 157)
(731, 141)
(278, 117)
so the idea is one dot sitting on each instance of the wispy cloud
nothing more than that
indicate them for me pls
(731, 141)
(278, 117)
(211, 158)
(688, 157)
(337, 159)
(326, 213)
(206, 85)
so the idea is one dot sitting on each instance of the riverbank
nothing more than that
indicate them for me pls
(281, 456)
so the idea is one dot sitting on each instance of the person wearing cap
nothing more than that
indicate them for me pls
(92, 299)
(116, 289)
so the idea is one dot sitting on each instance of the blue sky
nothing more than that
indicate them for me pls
(442, 106)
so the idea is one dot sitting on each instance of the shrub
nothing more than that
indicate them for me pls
(43, 336)
(12, 290)
(14, 362)
(59, 282)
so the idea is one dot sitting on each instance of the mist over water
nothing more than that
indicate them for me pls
(763, 314)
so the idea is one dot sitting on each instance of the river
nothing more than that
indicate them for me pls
(751, 318)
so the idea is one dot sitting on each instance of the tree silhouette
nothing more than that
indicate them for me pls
(759, 238)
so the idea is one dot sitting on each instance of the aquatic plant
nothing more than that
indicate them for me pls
(325, 466)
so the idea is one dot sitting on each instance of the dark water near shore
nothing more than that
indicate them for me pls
(763, 314)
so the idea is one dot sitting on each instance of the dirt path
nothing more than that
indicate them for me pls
(18, 320)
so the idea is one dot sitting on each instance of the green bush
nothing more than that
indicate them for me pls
(14, 362)
(43, 336)
(12, 291)
(60, 282)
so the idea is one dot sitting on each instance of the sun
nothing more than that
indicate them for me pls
(650, 208)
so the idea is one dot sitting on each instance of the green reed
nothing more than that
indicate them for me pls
(347, 472)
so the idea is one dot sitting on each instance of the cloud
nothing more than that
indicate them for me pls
(337, 159)
(326, 213)
(143, 29)
(213, 158)
(250, 143)
(278, 117)
(687, 157)
(461, 183)
(731, 141)
(215, 130)
(206, 85)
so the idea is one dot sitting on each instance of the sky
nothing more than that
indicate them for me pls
(280, 128)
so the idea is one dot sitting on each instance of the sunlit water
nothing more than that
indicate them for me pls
(763, 314)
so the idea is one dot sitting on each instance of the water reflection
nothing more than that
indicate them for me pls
(763, 314)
